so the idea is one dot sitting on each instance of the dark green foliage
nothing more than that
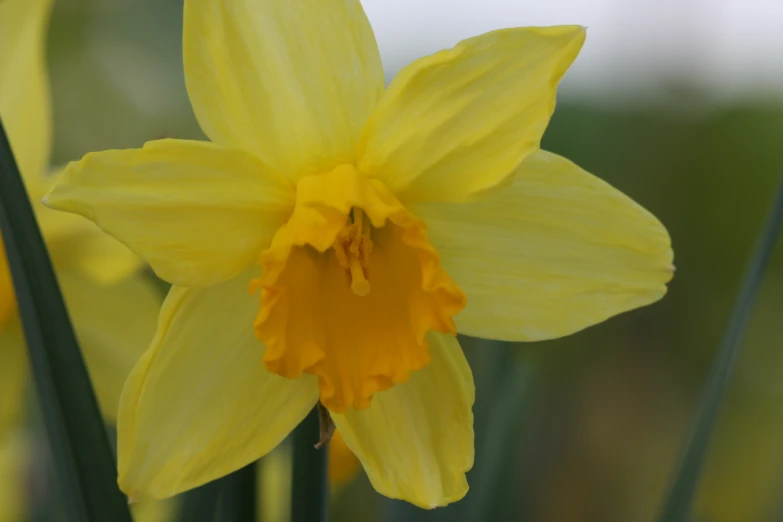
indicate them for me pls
(84, 465)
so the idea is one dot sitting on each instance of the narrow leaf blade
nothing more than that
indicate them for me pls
(238, 501)
(310, 493)
(83, 460)
(679, 502)
(200, 504)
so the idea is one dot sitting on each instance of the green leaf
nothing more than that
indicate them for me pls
(500, 441)
(84, 465)
(238, 496)
(228, 499)
(310, 492)
(200, 504)
(679, 502)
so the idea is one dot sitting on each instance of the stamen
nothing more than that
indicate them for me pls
(356, 231)
(352, 249)
(366, 244)
(359, 285)
(340, 254)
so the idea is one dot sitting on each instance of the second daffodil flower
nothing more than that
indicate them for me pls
(334, 236)
(114, 310)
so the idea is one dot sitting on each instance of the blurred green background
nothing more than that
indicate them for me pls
(586, 428)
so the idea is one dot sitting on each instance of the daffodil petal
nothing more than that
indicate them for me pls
(415, 440)
(95, 255)
(13, 375)
(13, 438)
(292, 82)
(554, 252)
(115, 325)
(76, 243)
(55, 225)
(198, 213)
(458, 122)
(200, 403)
(24, 88)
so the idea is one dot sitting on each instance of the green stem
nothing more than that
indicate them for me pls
(680, 498)
(83, 461)
(200, 504)
(502, 436)
(310, 492)
(238, 496)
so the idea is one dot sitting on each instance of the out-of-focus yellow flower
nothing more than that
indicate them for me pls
(24, 109)
(315, 192)
(274, 487)
(155, 511)
(343, 464)
(13, 457)
(6, 288)
(114, 315)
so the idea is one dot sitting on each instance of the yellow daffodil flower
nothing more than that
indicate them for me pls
(114, 315)
(13, 454)
(335, 235)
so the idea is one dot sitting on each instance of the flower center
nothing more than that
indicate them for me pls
(352, 248)
(352, 310)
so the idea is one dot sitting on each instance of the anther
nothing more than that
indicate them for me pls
(359, 284)
(352, 249)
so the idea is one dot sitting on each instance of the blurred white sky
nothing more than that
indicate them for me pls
(730, 47)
